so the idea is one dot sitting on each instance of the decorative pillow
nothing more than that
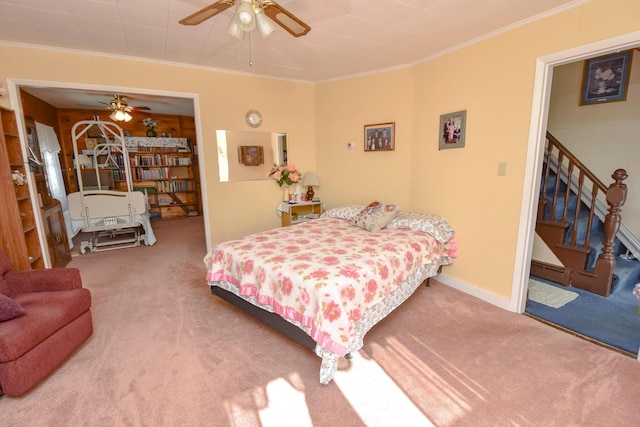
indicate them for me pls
(9, 308)
(344, 212)
(431, 224)
(375, 216)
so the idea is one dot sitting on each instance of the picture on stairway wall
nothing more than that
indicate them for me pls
(605, 78)
(452, 130)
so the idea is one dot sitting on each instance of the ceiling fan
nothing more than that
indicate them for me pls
(250, 14)
(121, 109)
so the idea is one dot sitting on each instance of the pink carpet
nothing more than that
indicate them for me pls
(166, 352)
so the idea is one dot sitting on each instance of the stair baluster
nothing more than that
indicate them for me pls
(573, 254)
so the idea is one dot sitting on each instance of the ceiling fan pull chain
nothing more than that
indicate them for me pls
(250, 56)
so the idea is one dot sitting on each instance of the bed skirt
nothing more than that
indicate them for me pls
(371, 317)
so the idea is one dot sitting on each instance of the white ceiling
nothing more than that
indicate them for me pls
(348, 37)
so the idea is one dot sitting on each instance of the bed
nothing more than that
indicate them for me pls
(113, 217)
(126, 212)
(328, 281)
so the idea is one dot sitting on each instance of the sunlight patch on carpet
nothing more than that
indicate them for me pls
(549, 295)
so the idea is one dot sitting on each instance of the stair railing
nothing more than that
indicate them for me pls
(564, 163)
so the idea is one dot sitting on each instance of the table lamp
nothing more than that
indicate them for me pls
(310, 179)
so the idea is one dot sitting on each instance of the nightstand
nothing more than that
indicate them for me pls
(294, 213)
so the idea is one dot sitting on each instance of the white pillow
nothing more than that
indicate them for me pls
(344, 212)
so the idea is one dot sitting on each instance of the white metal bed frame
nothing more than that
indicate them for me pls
(108, 214)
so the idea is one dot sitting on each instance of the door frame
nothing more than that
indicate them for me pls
(535, 151)
(14, 85)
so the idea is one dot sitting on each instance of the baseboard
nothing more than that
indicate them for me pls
(474, 291)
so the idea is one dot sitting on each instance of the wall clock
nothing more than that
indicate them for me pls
(254, 118)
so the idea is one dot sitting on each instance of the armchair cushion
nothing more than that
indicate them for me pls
(9, 309)
(43, 280)
(46, 313)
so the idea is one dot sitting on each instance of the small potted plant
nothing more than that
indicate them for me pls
(151, 125)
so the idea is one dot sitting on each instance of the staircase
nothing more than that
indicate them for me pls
(579, 220)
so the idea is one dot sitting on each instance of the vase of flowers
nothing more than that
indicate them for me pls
(18, 178)
(285, 175)
(636, 292)
(151, 125)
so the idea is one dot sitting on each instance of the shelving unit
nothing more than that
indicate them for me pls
(300, 212)
(169, 180)
(166, 174)
(20, 238)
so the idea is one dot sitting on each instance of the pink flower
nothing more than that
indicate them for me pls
(217, 256)
(350, 271)
(355, 315)
(330, 260)
(332, 311)
(348, 293)
(247, 267)
(287, 286)
(372, 286)
(318, 274)
(304, 297)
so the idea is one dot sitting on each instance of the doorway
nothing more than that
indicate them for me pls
(537, 133)
(83, 96)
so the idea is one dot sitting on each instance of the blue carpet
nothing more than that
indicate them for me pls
(613, 320)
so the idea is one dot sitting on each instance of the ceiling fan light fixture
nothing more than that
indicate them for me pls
(234, 29)
(264, 24)
(245, 12)
(245, 16)
(120, 116)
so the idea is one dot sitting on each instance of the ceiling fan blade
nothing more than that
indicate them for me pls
(140, 108)
(207, 12)
(284, 18)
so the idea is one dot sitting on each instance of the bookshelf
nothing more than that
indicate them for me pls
(20, 240)
(163, 168)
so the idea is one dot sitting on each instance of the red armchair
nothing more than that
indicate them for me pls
(44, 317)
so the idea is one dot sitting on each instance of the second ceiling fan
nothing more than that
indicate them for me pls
(250, 14)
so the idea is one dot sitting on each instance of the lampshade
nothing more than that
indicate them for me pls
(310, 178)
(234, 29)
(264, 24)
(245, 16)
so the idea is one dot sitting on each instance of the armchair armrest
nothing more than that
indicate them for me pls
(42, 280)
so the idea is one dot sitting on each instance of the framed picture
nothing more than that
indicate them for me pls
(380, 137)
(605, 79)
(452, 130)
(251, 155)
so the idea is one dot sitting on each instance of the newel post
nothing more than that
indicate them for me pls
(616, 196)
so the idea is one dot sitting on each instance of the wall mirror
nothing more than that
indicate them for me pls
(233, 149)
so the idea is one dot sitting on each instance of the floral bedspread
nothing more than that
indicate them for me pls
(325, 273)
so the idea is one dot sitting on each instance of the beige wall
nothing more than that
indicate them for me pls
(235, 208)
(492, 80)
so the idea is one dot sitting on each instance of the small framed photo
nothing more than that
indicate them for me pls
(251, 155)
(380, 137)
(605, 78)
(453, 127)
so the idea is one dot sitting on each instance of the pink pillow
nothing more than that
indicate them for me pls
(375, 216)
(9, 309)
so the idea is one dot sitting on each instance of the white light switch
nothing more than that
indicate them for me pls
(502, 168)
